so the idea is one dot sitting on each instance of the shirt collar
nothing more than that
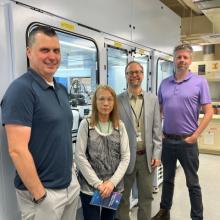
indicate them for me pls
(130, 95)
(40, 80)
(188, 76)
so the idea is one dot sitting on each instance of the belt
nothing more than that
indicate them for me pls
(140, 152)
(176, 136)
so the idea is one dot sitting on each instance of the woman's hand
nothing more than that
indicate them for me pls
(106, 188)
(101, 187)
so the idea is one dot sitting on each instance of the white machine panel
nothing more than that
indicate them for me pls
(8, 204)
(19, 25)
(155, 25)
(108, 16)
(15, 20)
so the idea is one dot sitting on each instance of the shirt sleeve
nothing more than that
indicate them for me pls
(125, 156)
(80, 156)
(205, 97)
(18, 105)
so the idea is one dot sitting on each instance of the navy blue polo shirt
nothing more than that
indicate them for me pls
(31, 102)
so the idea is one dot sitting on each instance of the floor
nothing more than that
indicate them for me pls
(209, 173)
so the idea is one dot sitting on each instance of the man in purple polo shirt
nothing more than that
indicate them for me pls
(181, 96)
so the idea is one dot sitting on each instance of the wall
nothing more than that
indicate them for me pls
(217, 51)
(198, 56)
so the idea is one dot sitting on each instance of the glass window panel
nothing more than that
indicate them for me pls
(164, 70)
(144, 61)
(77, 71)
(117, 60)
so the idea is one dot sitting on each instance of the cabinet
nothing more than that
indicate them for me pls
(211, 71)
(209, 140)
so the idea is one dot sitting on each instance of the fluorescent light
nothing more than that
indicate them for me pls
(76, 45)
(197, 48)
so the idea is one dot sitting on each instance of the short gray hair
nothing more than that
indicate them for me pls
(186, 47)
(133, 62)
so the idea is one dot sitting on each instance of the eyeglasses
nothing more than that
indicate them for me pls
(103, 99)
(132, 72)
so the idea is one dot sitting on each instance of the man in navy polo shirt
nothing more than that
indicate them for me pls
(38, 122)
(181, 96)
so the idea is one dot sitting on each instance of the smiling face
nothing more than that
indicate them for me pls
(44, 55)
(104, 102)
(182, 61)
(134, 75)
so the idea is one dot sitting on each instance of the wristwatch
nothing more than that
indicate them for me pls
(38, 201)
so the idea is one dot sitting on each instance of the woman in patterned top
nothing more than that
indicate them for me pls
(102, 153)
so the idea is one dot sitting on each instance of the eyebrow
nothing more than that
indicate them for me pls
(48, 48)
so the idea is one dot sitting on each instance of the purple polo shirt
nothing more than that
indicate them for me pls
(181, 102)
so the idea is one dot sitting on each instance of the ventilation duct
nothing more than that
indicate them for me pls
(207, 4)
(211, 9)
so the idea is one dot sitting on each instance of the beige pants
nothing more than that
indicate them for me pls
(144, 185)
(58, 205)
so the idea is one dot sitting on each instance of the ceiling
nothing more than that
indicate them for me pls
(200, 20)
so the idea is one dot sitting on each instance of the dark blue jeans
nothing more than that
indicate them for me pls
(188, 156)
(91, 212)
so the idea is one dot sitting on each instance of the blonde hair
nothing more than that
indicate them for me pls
(114, 116)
